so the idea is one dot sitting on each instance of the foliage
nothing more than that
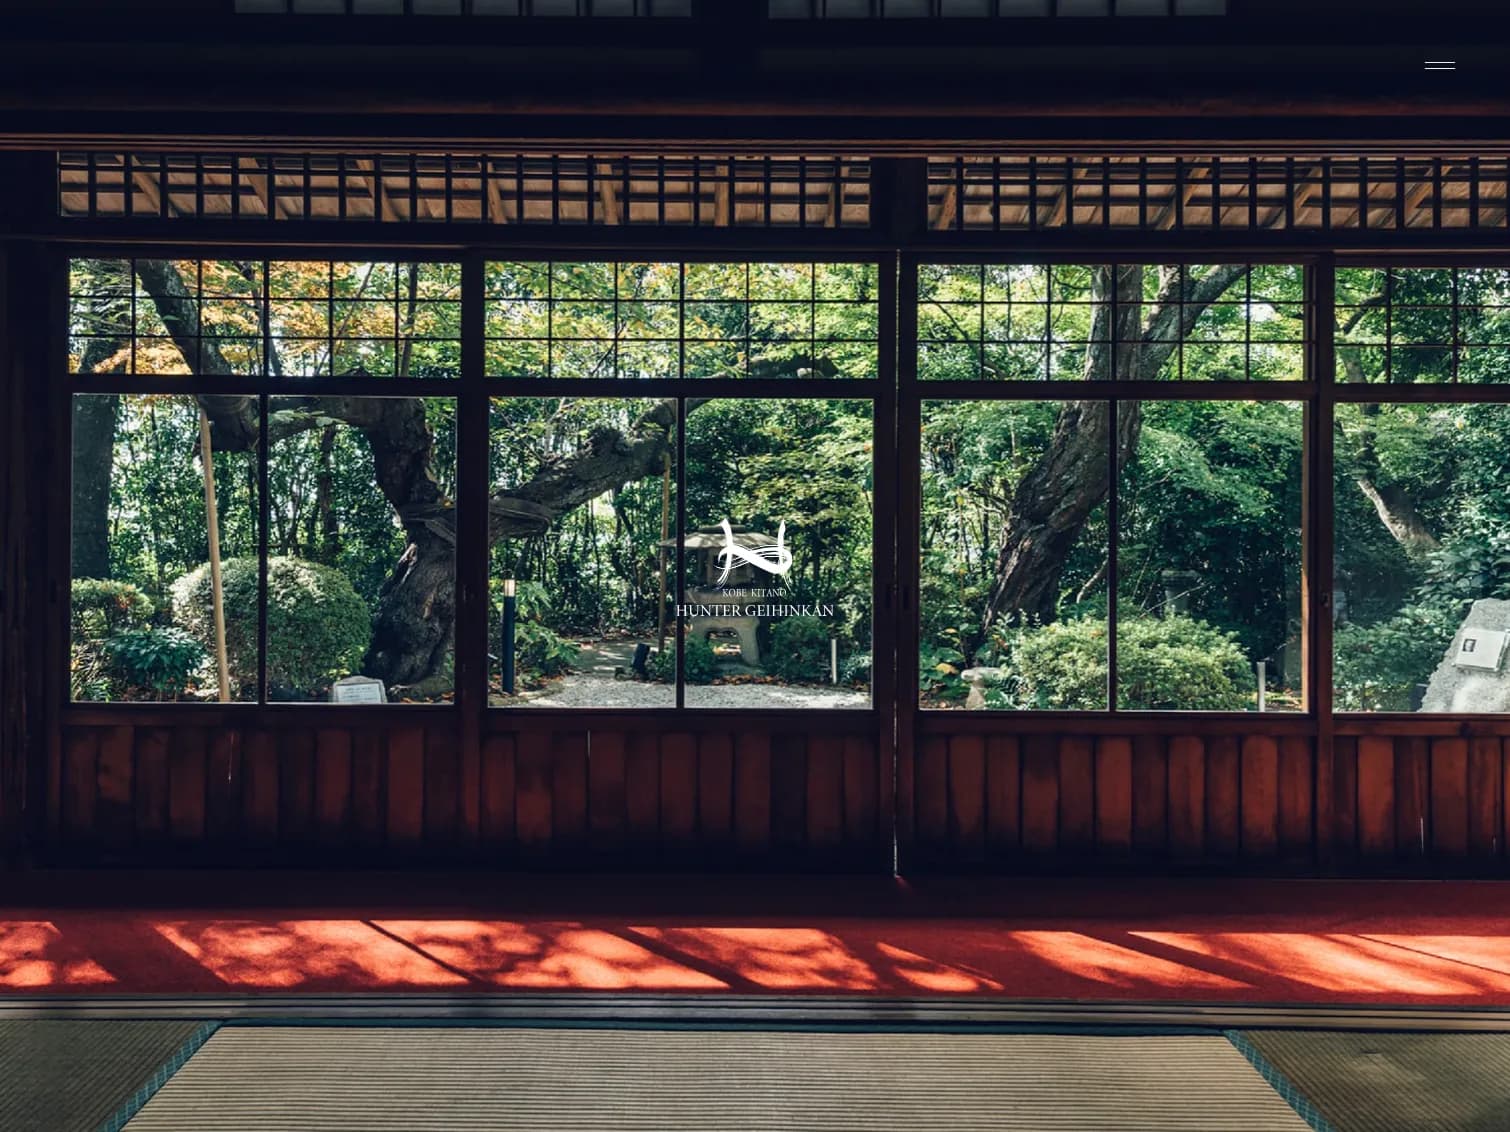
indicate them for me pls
(800, 651)
(701, 663)
(1164, 663)
(159, 659)
(939, 669)
(539, 651)
(855, 669)
(1378, 665)
(101, 607)
(318, 628)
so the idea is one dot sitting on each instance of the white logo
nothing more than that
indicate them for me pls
(773, 558)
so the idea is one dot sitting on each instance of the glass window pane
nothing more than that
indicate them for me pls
(1208, 556)
(1013, 568)
(361, 545)
(1060, 322)
(583, 501)
(1422, 557)
(779, 551)
(143, 625)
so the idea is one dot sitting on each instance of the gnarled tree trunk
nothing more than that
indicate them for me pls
(1056, 498)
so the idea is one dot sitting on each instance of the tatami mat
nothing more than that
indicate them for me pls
(451, 1080)
(1373, 1082)
(58, 1076)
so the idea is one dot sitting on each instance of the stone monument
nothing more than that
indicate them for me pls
(1472, 676)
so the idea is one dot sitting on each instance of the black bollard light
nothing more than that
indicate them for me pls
(510, 612)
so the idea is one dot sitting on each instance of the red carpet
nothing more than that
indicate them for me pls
(1395, 943)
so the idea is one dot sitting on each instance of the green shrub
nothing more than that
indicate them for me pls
(1180, 664)
(1376, 666)
(799, 649)
(159, 659)
(702, 664)
(1173, 663)
(539, 651)
(855, 669)
(939, 667)
(101, 607)
(318, 628)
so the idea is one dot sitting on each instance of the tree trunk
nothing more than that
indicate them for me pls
(94, 421)
(1056, 498)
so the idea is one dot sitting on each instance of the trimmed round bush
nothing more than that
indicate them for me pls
(799, 649)
(702, 664)
(1173, 663)
(318, 627)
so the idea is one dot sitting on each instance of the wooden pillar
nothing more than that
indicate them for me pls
(29, 475)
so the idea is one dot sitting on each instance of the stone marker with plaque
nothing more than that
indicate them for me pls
(1472, 676)
(358, 690)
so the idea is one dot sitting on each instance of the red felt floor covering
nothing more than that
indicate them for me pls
(1397, 943)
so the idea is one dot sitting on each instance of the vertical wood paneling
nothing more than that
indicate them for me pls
(967, 798)
(225, 784)
(930, 786)
(333, 784)
(1449, 797)
(115, 809)
(606, 801)
(715, 791)
(1484, 794)
(1114, 795)
(1187, 797)
(1376, 796)
(1150, 771)
(1412, 803)
(1296, 790)
(1077, 794)
(752, 793)
(1260, 796)
(1040, 794)
(189, 760)
(1003, 796)
(532, 791)
(443, 821)
(151, 788)
(296, 786)
(406, 787)
(81, 748)
(862, 796)
(1341, 825)
(788, 794)
(496, 773)
(259, 792)
(678, 792)
(825, 791)
(642, 791)
(369, 808)
(569, 794)
(1223, 796)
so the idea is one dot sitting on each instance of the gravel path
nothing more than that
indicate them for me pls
(597, 686)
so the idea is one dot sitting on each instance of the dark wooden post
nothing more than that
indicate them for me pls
(29, 488)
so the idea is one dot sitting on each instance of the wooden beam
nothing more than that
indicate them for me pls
(383, 207)
(608, 196)
(496, 211)
(150, 188)
(723, 210)
(944, 212)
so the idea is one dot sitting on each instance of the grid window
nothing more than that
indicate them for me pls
(672, 320)
(1051, 582)
(1418, 325)
(1038, 322)
(238, 540)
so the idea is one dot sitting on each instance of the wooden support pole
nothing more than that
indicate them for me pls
(212, 521)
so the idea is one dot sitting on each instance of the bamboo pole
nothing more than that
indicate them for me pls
(665, 534)
(217, 592)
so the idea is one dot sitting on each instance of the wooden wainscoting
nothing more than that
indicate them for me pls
(987, 798)
(1420, 802)
(319, 786)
